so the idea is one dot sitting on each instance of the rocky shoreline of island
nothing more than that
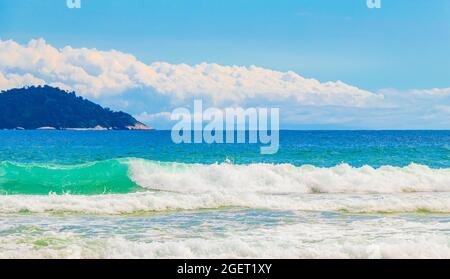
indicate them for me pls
(136, 127)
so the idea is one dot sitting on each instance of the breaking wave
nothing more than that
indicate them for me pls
(287, 178)
(125, 186)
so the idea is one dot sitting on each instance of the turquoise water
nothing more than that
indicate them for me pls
(103, 194)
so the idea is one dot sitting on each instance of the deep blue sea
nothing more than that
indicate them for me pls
(136, 194)
(318, 148)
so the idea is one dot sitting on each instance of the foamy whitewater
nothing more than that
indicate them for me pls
(136, 195)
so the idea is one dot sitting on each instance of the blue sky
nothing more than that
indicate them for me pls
(396, 50)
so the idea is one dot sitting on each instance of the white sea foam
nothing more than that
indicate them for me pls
(286, 178)
(360, 239)
(162, 201)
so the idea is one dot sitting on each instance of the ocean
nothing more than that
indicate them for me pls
(135, 194)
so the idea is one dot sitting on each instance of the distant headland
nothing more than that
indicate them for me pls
(49, 108)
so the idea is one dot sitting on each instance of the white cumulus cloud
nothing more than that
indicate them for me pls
(434, 92)
(149, 118)
(95, 73)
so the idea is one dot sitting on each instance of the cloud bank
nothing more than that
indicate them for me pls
(150, 91)
(95, 73)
